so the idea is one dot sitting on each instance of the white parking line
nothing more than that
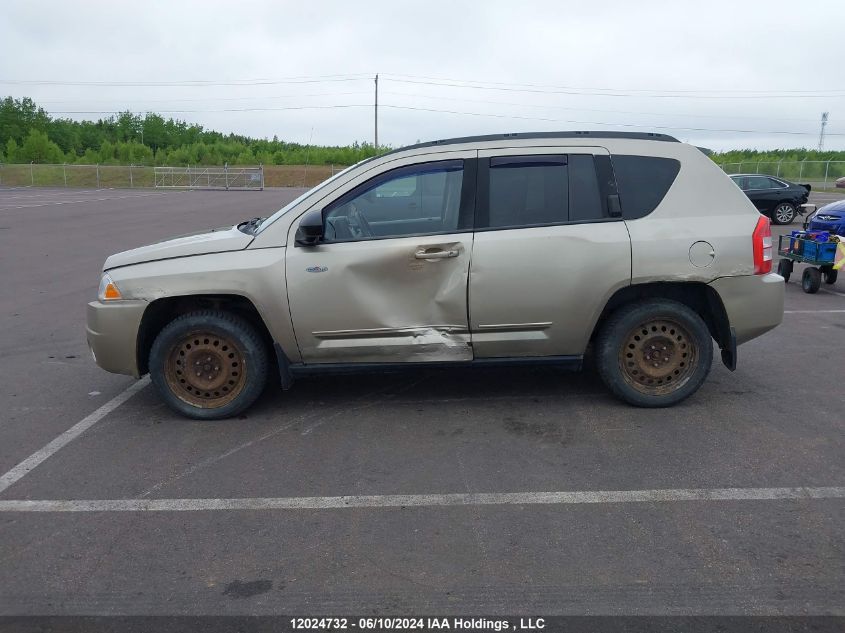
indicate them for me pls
(432, 500)
(813, 311)
(833, 292)
(71, 434)
(60, 202)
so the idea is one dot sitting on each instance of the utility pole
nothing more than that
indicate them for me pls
(821, 133)
(375, 144)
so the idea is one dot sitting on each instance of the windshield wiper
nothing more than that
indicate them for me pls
(250, 226)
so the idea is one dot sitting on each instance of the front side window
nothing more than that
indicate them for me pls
(415, 200)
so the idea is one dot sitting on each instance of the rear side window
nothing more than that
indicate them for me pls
(584, 197)
(528, 190)
(643, 182)
(538, 190)
(759, 182)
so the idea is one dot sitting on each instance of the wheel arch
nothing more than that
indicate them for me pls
(162, 311)
(698, 296)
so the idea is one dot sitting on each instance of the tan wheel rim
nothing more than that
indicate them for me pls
(658, 357)
(205, 370)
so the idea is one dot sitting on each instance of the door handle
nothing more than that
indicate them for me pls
(422, 254)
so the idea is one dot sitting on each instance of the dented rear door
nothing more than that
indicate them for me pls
(389, 284)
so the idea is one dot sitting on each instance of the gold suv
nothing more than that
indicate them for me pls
(502, 249)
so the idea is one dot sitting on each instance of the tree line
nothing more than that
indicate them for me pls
(778, 155)
(29, 134)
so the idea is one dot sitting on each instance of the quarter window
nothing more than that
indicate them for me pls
(643, 182)
(415, 200)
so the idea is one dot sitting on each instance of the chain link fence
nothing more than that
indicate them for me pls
(137, 176)
(822, 175)
(251, 178)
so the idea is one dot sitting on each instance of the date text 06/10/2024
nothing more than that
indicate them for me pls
(417, 624)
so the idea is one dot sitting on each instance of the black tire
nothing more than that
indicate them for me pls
(830, 276)
(784, 213)
(638, 335)
(226, 353)
(785, 269)
(811, 280)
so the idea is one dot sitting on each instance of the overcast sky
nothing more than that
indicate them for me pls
(742, 73)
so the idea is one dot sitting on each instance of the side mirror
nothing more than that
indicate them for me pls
(310, 230)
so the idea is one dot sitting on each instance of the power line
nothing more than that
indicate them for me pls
(628, 94)
(580, 109)
(652, 127)
(457, 112)
(702, 93)
(198, 83)
(665, 90)
(312, 107)
(207, 99)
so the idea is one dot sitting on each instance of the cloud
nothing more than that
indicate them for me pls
(582, 48)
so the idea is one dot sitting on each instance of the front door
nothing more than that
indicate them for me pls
(388, 282)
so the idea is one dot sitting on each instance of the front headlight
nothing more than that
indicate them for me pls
(108, 290)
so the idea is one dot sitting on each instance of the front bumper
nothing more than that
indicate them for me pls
(112, 332)
(753, 303)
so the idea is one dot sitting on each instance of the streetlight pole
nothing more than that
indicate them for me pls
(375, 144)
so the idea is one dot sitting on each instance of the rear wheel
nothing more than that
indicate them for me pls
(784, 213)
(209, 365)
(830, 276)
(654, 353)
(811, 280)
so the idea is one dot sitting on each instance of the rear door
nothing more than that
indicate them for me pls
(388, 283)
(547, 252)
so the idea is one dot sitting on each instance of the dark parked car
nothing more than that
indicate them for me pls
(830, 217)
(777, 198)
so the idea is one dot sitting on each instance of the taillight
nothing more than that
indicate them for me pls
(762, 240)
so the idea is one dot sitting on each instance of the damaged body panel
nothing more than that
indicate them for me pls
(381, 300)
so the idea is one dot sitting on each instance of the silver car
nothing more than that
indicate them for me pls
(492, 250)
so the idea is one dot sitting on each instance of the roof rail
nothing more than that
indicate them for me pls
(641, 136)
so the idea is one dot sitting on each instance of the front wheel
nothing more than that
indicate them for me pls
(209, 364)
(784, 213)
(654, 353)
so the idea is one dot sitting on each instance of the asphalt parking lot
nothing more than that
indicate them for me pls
(147, 513)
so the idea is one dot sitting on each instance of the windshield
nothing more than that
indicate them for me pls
(299, 199)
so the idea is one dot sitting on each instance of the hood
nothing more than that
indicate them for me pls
(214, 241)
(835, 208)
